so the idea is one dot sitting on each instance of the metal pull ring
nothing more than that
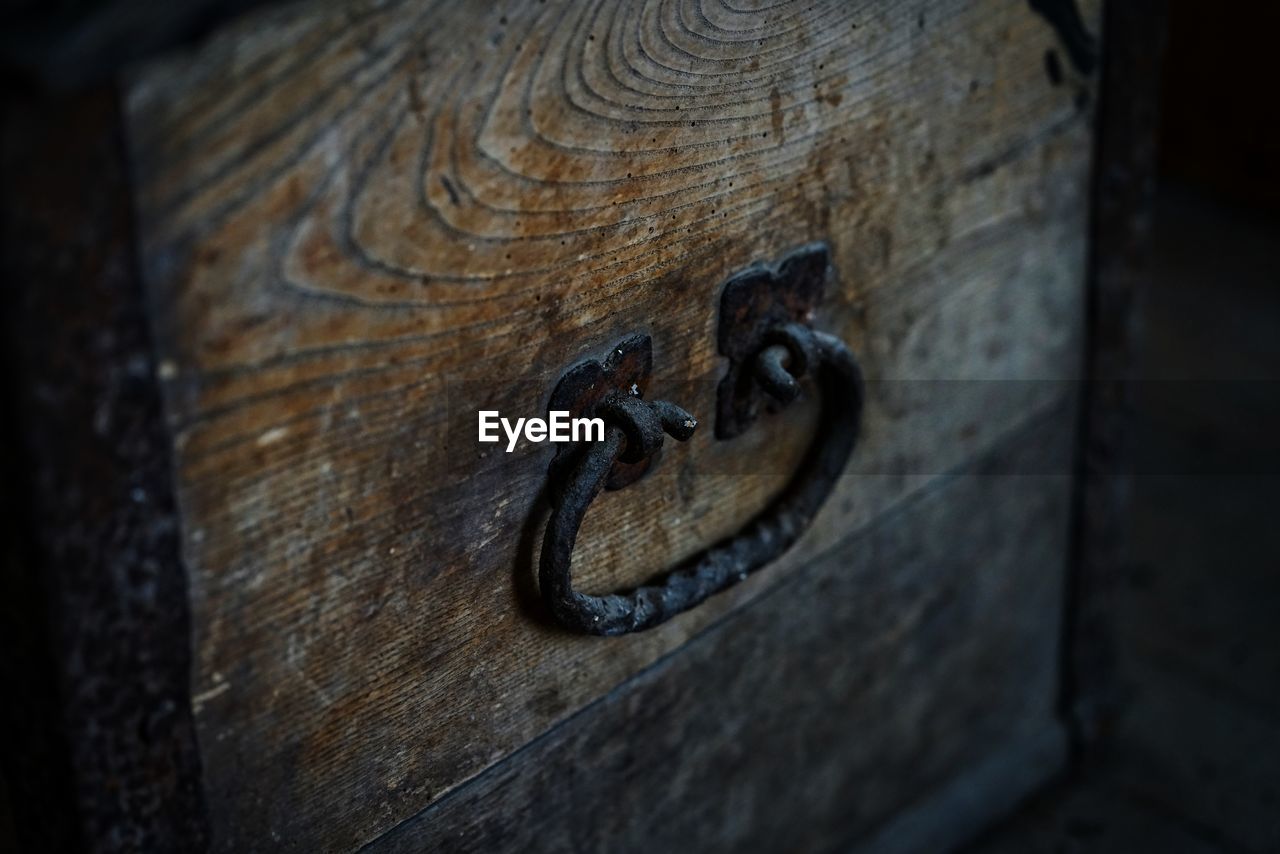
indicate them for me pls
(788, 353)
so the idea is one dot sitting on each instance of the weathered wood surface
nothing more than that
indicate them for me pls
(913, 651)
(361, 225)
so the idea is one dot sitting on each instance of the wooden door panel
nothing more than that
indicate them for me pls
(913, 664)
(362, 224)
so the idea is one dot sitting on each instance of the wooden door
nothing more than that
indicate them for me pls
(361, 224)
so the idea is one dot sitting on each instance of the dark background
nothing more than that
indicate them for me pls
(1183, 752)
(1189, 758)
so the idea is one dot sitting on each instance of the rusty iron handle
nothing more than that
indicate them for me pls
(789, 353)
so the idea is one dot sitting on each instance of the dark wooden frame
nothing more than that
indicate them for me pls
(100, 753)
(1122, 194)
(100, 750)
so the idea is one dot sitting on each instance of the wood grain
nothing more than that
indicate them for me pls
(917, 650)
(362, 224)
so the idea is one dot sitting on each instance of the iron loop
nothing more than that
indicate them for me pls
(759, 542)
